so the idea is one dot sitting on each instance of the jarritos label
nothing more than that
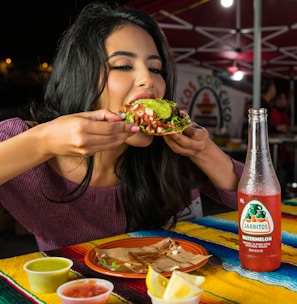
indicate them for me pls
(256, 219)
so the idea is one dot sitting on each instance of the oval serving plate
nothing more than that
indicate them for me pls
(91, 261)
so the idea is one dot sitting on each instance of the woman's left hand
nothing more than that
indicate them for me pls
(195, 143)
(193, 140)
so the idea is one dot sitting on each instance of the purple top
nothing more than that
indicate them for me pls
(97, 214)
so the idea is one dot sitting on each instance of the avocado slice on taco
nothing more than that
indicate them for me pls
(156, 116)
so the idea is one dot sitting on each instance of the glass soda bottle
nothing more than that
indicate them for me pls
(259, 201)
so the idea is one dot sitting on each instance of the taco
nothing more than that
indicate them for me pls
(156, 116)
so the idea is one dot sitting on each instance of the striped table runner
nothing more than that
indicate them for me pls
(226, 281)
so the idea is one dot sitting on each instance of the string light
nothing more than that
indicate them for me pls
(45, 65)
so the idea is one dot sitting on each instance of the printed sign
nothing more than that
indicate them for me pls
(209, 102)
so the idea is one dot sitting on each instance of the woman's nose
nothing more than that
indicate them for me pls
(144, 79)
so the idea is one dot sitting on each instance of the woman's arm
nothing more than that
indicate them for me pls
(220, 195)
(20, 153)
(206, 155)
(217, 165)
(81, 134)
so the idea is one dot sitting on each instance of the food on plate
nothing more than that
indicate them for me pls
(164, 256)
(179, 286)
(156, 116)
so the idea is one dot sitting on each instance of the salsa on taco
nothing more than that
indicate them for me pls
(156, 116)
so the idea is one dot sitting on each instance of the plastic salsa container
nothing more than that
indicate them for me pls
(85, 291)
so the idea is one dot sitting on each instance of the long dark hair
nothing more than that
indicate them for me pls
(153, 179)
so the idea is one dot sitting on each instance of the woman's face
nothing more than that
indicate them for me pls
(134, 72)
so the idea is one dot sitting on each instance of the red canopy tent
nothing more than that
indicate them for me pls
(203, 33)
(200, 32)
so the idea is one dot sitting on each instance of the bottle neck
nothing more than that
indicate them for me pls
(258, 131)
(258, 175)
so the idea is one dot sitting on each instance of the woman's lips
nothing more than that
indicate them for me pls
(143, 96)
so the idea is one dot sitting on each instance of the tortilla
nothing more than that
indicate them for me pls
(164, 256)
(156, 116)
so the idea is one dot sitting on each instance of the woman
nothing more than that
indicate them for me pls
(79, 172)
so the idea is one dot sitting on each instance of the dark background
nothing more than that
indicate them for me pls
(29, 35)
(30, 30)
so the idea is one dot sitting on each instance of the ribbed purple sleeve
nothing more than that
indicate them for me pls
(222, 196)
(98, 213)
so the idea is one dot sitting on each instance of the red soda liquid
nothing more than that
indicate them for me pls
(259, 231)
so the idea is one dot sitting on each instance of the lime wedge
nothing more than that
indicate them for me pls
(160, 106)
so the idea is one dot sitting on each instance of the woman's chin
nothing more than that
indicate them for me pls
(139, 140)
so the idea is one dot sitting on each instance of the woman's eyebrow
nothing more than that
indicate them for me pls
(155, 57)
(132, 55)
(122, 53)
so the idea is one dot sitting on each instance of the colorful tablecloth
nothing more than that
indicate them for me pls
(226, 281)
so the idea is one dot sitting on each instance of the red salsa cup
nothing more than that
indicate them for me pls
(85, 291)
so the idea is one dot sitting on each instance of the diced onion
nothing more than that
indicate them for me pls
(149, 111)
(159, 131)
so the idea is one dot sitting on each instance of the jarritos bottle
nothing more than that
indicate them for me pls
(259, 201)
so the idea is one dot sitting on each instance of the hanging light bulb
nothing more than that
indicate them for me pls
(237, 76)
(226, 3)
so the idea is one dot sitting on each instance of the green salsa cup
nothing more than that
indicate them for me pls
(46, 274)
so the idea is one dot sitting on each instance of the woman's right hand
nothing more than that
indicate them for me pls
(83, 134)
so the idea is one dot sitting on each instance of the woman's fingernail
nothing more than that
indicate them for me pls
(135, 129)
